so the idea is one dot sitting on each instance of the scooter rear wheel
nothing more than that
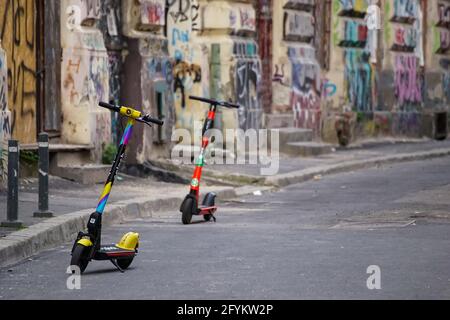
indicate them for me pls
(79, 258)
(187, 211)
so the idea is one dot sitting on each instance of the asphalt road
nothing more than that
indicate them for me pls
(309, 241)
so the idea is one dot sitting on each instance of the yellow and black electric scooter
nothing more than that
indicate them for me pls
(88, 246)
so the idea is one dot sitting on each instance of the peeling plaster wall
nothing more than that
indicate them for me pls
(85, 76)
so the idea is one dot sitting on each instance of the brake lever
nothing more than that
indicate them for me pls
(141, 120)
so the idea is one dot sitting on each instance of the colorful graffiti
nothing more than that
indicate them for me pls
(329, 89)
(445, 66)
(306, 87)
(248, 19)
(405, 11)
(85, 79)
(353, 8)
(355, 34)
(358, 80)
(18, 37)
(153, 12)
(90, 11)
(298, 26)
(185, 76)
(405, 39)
(444, 15)
(247, 81)
(157, 95)
(408, 81)
(443, 41)
(5, 127)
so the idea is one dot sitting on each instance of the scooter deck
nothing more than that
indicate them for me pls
(109, 252)
(205, 210)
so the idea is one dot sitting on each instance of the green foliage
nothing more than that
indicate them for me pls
(30, 158)
(109, 154)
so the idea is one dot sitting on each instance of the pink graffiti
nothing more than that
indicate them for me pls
(407, 80)
(152, 13)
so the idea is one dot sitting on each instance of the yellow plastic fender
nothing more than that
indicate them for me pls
(85, 242)
(130, 241)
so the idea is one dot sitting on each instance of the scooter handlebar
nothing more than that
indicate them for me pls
(109, 106)
(215, 102)
(145, 119)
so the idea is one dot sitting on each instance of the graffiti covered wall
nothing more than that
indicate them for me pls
(297, 73)
(147, 78)
(406, 52)
(5, 115)
(188, 55)
(247, 82)
(438, 55)
(18, 37)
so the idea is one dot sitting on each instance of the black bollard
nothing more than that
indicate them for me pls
(12, 214)
(43, 211)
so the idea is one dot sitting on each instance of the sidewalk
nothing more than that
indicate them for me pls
(67, 196)
(367, 154)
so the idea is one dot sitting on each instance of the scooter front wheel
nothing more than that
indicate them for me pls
(125, 263)
(187, 211)
(79, 257)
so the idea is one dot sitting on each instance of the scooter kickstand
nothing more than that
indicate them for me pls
(114, 262)
(214, 218)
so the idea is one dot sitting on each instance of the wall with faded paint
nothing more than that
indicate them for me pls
(18, 37)
(296, 70)
(85, 76)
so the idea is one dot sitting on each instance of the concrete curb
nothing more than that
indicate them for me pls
(24, 244)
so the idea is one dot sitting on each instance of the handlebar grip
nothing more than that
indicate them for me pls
(231, 105)
(216, 103)
(158, 122)
(210, 101)
(109, 106)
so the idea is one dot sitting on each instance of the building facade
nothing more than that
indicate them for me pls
(308, 64)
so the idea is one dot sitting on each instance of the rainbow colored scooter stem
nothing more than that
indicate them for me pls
(88, 246)
(190, 206)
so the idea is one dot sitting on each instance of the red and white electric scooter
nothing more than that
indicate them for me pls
(190, 206)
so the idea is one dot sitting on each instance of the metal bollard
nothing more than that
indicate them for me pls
(43, 211)
(12, 214)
